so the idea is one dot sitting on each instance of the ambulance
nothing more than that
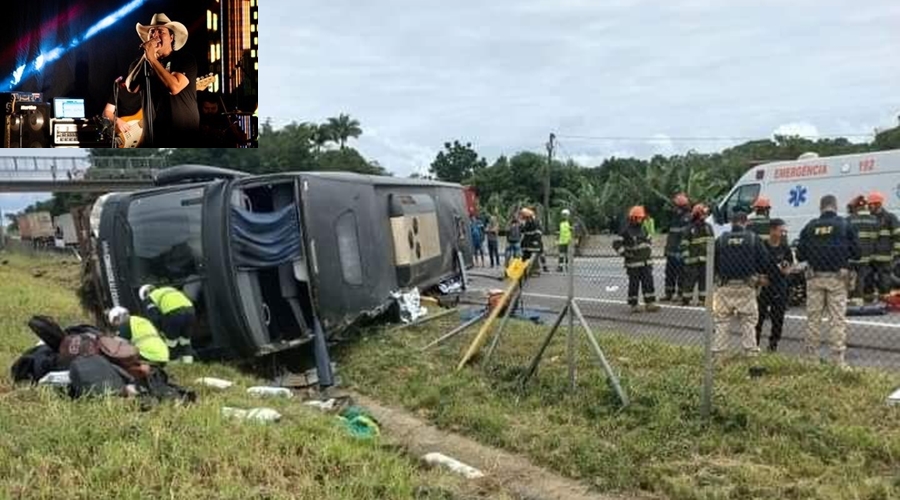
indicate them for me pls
(795, 187)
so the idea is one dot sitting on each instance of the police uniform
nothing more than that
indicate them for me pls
(565, 238)
(693, 251)
(759, 223)
(887, 247)
(633, 243)
(739, 260)
(145, 337)
(532, 243)
(173, 311)
(828, 243)
(866, 226)
(674, 260)
(773, 297)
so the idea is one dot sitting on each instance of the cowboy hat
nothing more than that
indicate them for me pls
(181, 33)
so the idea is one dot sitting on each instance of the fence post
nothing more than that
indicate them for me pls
(709, 362)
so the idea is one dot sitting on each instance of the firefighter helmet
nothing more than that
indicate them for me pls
(526, 212)
(876, 198)
(681, 200)
(637, 213)
(857, 202)
(699, 211)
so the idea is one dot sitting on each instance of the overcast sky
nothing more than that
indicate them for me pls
(503, 74)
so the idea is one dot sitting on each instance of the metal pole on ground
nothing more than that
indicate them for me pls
(456, 331)
(571, 337)
(709, 331)
(496, 340)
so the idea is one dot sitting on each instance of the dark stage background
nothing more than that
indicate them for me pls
(30, 29)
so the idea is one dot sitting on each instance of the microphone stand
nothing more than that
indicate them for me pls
(148, 105)
(115, 112)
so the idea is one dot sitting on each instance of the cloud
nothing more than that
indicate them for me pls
(802, 129)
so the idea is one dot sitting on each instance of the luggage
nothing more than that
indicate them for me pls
(47, 330)
(34, 364)
(95, 375)
(78, 345)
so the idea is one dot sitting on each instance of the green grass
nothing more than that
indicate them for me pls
(52, 447)
(800, 432)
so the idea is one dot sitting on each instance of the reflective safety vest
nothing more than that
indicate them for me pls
(760, 225)
(693, 244)
(565, 233)
(887, 244)
(866, 226)
(634, 244)
(146, 338)
(169, 299)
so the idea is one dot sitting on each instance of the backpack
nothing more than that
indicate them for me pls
(34, 363)
(95, 375)
(47, 330)
(77, 345)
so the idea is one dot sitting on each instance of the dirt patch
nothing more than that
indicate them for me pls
(511, 473)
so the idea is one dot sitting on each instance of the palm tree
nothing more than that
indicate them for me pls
(322, 135)
(343, 127)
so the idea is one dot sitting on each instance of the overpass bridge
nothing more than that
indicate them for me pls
(81, 174)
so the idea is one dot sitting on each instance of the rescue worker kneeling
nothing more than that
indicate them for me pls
(741, 263)
(634, 244)
(173, 312)
(140, 332)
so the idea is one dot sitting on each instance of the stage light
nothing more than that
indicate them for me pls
(255, 13)
(209, 23)
(215, 22)
(45, 58)
(252, 53)
(256, 66)
(255, 41)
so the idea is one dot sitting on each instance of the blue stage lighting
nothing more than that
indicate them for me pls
(26, 70)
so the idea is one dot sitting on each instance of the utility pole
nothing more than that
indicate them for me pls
(550, 147)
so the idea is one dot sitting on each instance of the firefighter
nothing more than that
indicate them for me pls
(674, 261)
(565, 238)
(140, 332)
(693, 251)
(532, 241)
(866, 226)
(887, 243)
(773, 296)
(740, 260)
(173, 312)
(828, 244)
(759, 221)
(633, 243)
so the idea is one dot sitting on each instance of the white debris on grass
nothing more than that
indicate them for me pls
(410, 305)
(894, 399)
(266, 391)
(454, 465)
(322, 405)
(253, 414)
(218, 383)
(56, 379)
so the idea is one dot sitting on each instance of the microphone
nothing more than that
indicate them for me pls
(119, 79)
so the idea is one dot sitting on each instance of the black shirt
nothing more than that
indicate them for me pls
(128, 104)
(780, 255)
(740, 255)
(177, 118)
(828, 243)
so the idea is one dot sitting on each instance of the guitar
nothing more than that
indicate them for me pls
(132, 137)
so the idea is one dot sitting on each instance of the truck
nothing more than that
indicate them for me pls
(273, 262)
(37, 228)
(795, 187)
(64, 231)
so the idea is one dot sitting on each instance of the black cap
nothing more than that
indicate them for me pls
(739, 215)
(776, 222)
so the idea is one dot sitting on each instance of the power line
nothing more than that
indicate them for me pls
(701, 138)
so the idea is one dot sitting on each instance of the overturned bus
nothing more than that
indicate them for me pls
(271, 261)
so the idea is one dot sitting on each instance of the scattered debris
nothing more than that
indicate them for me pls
(303, 380)
(254, 414)
(37, 273)
(467, 471)
(894, 399)
(56, 379)
(331, 404)
(217, 383)
(452, 285)
(410, 306)
(612, 288)
(266, 391)
(360, 423)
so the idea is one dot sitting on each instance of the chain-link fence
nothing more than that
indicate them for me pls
(826, 296)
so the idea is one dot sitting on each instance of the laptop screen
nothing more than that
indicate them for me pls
(65, 107)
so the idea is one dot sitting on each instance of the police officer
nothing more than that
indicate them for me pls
(140, 332)
(565, 238)
(681, 221)
(173, 312)
(532, 240)
(759, 221)
(866, 226)
(693, 251)
(633, 243)
(887, 244)
(828, 244)
(740, 260)
(773, 297)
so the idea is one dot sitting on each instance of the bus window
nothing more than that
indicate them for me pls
(743, 196)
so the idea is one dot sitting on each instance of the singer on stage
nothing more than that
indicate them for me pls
(170, 107)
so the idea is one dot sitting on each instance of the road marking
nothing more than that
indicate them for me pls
(694, 308)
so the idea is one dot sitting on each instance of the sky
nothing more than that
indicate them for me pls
(15, 202)
(505, 74)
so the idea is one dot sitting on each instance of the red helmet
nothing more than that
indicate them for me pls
(699, 211)
(876, 198)
(762, 202)
(637, 213)
(681, 200)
